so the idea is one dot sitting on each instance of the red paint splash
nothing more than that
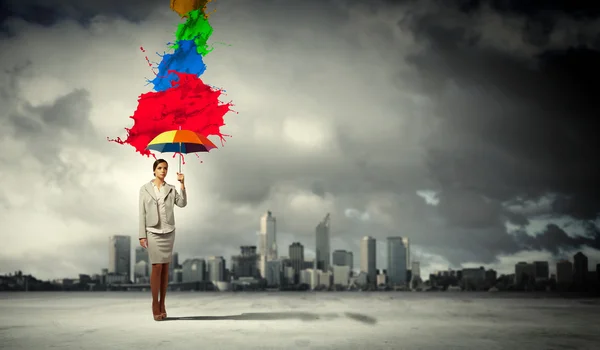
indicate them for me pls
(190, 104)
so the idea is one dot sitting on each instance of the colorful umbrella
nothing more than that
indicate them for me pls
(180, 141)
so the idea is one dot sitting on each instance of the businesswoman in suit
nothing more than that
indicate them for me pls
(157, 230)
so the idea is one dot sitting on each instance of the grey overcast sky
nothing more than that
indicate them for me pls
(468, 126)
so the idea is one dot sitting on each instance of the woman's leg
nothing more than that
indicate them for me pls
(155, 287)
(164, 283)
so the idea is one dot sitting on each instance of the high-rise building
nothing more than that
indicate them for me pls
(119, 255)
(580, 268)
(216, 268)
(193, 270)
(343, 258)
(268, 236)
(368, 258)
(491, 276)
(296, 253)
(173, 266)
(245, 264)
(274, 272)
(541, 270)
(142, 263)
(396, 256)
(140, 272)
(341, 275)
(564, 272)
(415, 269)
(406, 243)
(323, 244)
(473, 277)
(524, 273)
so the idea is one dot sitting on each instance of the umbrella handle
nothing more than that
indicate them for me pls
(180, 153)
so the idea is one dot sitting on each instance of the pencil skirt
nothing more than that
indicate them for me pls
(160, 247)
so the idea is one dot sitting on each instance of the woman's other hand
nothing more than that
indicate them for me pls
(144, 243)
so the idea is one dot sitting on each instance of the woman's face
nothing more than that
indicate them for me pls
(161, 170)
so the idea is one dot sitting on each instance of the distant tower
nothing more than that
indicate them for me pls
(119, 255)
(343, 258)
(296, 253)
(564, 272)
(173, 265)
(267, 244)
(580, 268)
(406, 243)
(397, 251)
(142, 263)
(368, 261)
(216, 268)
(323, 244)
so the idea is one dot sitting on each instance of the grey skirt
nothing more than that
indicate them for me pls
(160, 247)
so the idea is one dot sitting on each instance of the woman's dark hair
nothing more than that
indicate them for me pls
(156, 163)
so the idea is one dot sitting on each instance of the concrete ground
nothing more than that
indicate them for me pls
(123, 320)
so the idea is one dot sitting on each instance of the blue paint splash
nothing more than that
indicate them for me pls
(185, 59)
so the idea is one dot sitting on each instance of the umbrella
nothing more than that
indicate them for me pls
(180, 141)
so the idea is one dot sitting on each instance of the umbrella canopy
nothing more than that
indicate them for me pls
(180, 141)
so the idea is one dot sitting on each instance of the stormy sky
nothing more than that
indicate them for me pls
(468, 126)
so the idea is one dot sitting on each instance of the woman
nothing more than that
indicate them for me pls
(157, 230)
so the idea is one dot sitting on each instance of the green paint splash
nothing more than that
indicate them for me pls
(195, 28)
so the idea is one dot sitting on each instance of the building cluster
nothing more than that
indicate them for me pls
(528, 276)
(262, 266)
(328, 270)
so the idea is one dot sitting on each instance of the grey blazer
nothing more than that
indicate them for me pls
(149, 206)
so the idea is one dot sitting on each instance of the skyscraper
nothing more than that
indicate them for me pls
(564, 272)
(267, 244)
(216, 268)
(323, 250)
(343, 258)
(415, 269)
(296, 253)
(542, 270)
(397, 250)
(193, 270)
(142, 263)
(406, 242)
(245, 264)
(580, 268)
(368, 261)
(173, 265)
(119, 255)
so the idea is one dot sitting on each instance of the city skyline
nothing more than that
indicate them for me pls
(268, 216)
(527, 274)
(267, 228)
(471, 135)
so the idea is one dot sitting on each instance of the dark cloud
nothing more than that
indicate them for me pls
(45, 129)
(556, 240)
(514, 124)
(49, 12)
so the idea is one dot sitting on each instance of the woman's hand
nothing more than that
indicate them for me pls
(180, 178)
(144, 243)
